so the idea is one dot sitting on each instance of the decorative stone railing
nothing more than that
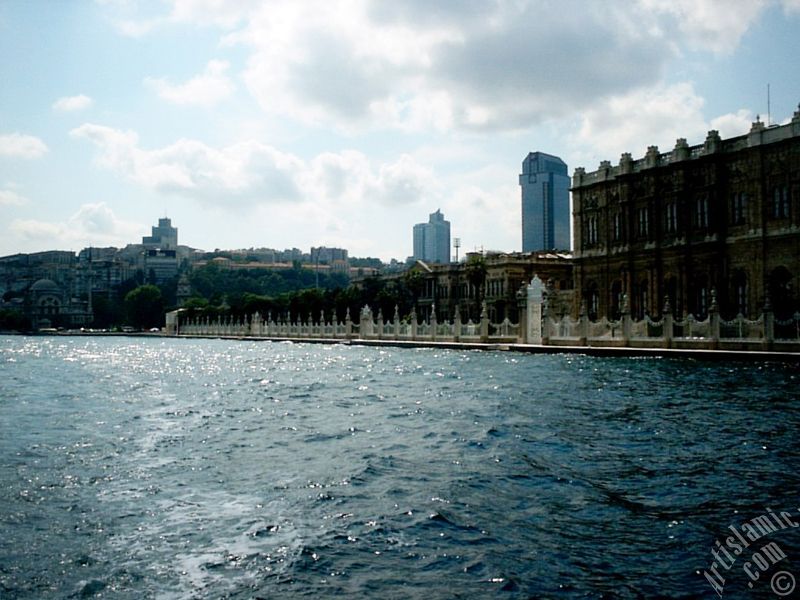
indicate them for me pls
(711, 332)
(369, 327)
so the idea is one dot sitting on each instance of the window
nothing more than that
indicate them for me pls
(701, 298)
(701, 212)
(616, 227)
(780, 202)
(642, 308)
(592, 301)
(644, 222)
(671, 217)
(738, 212)
(591, 231)
(740, 293)
(616, 299)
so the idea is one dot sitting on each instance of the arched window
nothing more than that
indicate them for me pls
(642, 299)
(701, 298)
(616, 300)
(781, 293)
(739, 293)
(671, 294)
(592, 300)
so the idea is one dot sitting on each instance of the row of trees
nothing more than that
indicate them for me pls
(309, 303)
(297, 294)
(221, 294)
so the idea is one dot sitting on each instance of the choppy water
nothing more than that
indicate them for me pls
(150, 468)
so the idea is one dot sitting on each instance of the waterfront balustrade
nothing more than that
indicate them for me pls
(688, 332)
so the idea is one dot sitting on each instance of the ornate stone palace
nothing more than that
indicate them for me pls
(715, 222)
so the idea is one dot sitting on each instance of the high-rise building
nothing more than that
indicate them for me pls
(545, 203)
(164, 236)
(432, 239)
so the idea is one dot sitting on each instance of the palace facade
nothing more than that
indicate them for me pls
(716, 223)
(445, 287)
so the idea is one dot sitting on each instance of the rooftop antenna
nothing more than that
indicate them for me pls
(769, 112)
(456, 245)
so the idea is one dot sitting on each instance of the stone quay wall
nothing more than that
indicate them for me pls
(536, 327)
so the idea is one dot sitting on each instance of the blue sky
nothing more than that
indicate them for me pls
(344, 122)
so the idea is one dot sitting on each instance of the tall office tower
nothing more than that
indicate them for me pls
(545, 203)
(164, 236)
(432, 239)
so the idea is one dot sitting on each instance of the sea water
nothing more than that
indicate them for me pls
(176, 468)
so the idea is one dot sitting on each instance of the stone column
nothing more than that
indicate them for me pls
(522, 311)
(413, 324)
(433, 323)
(380, 324)
(713, 320)
(365, 329)
(348, 325)
(457, 325)
(583, 325)
(667, 317)
(534, 311)
(396, 321)
(546, 324)
(625, 317)
(484, 322)
(769, 324)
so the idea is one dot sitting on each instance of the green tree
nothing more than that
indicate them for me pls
(106, 311)
(13, 320)
(476, 276)
(414, 282)
(144, 307)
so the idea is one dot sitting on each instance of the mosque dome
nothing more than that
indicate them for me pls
(45, 286)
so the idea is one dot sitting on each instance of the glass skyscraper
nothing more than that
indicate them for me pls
(545, 203)
(432, 239)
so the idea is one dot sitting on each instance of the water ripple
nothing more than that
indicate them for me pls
(208, 468)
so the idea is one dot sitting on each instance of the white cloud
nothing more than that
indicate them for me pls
(129, 20)
(11, 198)
(93, 224)
(206, 89)
(404, 182)
(247, 170)
(222, 13)
(791, 6)
(716, 25)
(733, 124)
(473, 66)
(630, 123)
(18, 145)
(650, 117)
(31, 230)
(466, 65)
(72, 103)
(253, 172)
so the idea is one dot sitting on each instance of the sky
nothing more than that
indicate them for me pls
(344, 122)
